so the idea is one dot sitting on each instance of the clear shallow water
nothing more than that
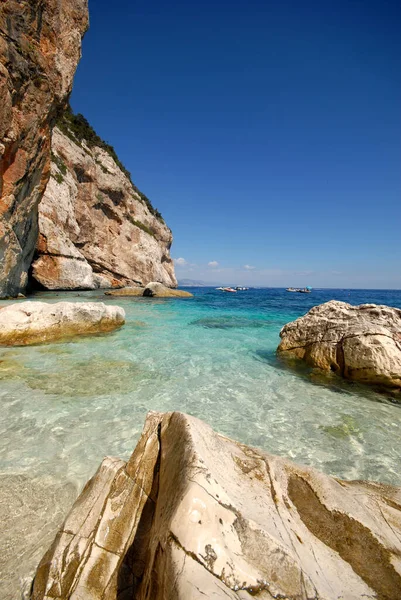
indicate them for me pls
(65, 406)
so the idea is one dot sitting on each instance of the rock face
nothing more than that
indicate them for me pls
(35, 322)
(358, 342)
(40, 45)
(196, 515)
(152, 290)
(95, 228)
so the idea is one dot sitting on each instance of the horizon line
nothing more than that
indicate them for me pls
(273, 287)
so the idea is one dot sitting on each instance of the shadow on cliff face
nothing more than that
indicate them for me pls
(326, 379)
(33, 285)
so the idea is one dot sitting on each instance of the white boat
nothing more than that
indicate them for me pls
(305, 290)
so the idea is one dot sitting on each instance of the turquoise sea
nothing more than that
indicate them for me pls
(65, 406)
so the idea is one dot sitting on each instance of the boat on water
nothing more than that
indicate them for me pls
(241, 289)
(229, 289)
(305, 290)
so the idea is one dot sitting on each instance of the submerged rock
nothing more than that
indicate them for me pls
(230, 322)
(37, 322)
(93, 378)
(194, 515)
(31, 510)
(362, 343)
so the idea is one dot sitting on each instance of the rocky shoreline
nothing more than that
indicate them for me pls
(130, 525)
(192, 514)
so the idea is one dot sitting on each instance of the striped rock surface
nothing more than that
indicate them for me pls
(195, 515)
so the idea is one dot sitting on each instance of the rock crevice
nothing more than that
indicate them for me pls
(193, 514)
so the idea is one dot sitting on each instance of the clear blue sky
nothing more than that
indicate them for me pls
(268, 133)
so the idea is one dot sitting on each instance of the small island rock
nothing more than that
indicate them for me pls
(362, 343)
(158, 290)
(37, 322)
(196, 515)
(153, 289)
(126, 291)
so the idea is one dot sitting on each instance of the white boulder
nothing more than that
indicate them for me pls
(37, 322)
(357, 342)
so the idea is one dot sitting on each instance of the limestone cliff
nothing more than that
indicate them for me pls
(40, 45)
(95, 228)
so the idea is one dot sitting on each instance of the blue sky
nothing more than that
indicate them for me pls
(268, 133)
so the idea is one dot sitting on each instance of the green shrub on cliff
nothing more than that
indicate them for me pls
(59, 178)
(141, 225)
(148, 203)
(58, 161)
(77, 128)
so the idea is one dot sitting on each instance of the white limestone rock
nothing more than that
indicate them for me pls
(92, 214)
(37, 322)
(196, 515)
(362, 343)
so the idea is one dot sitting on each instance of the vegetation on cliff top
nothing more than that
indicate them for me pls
(77, 128)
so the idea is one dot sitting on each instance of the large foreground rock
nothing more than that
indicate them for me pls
(40, 45)
(195, 515)
(358, 342)
(35, 322)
